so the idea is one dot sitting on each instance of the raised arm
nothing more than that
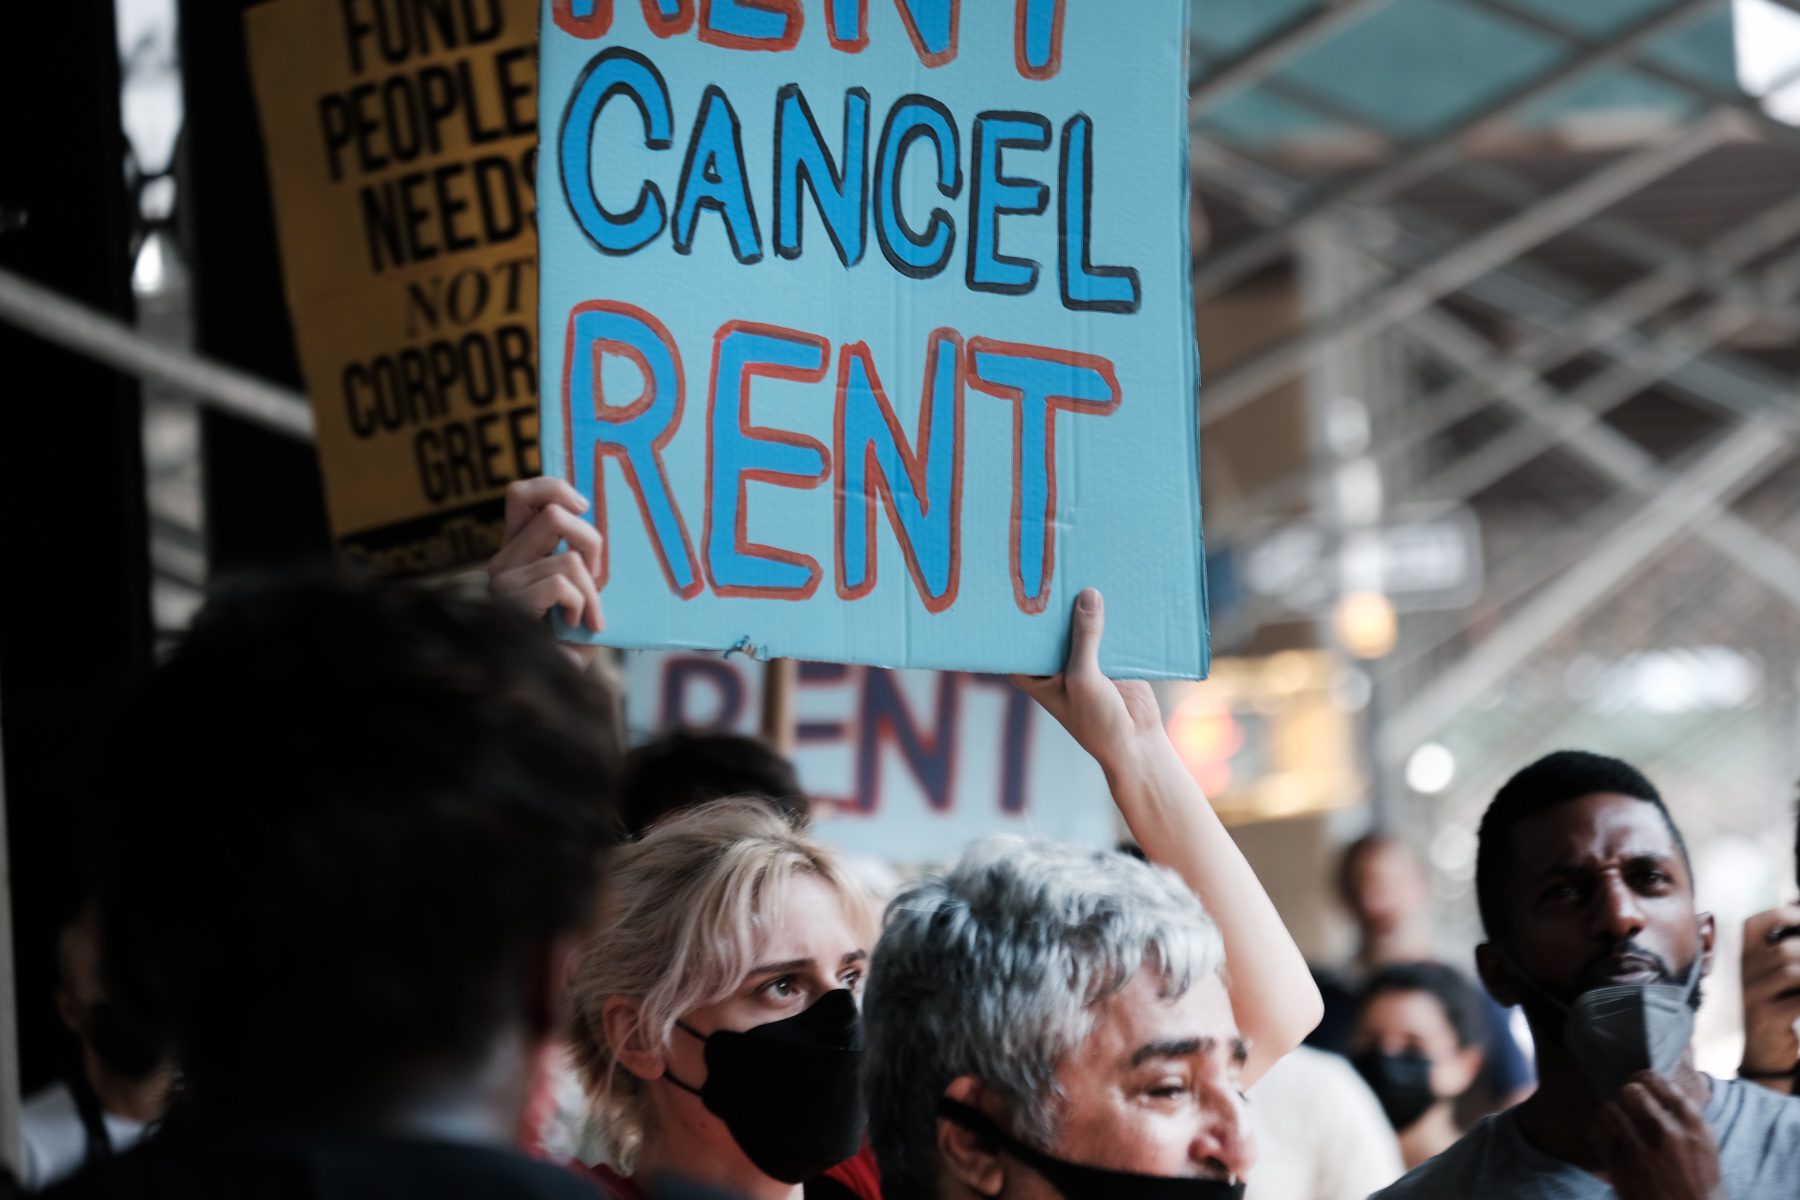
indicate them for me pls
(1272, 992)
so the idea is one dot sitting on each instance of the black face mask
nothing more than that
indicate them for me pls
(1402, 1082)
(789, 1091)
(126, 1045)
(1076, 1181)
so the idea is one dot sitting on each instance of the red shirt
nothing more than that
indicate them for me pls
(858, 1174)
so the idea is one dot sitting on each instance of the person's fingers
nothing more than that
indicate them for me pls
(542, 534)
(558, 591)
(1772, 980)
(512, 582)
(1758, 928)
(1665, 1097)
(1653, 1124)
(584, 540)
(532, 540)
(1774, 975)
(1621, 1131)
(581, 537)
(1085, 628)
(590, 598)
(518, 585)
(526, 496)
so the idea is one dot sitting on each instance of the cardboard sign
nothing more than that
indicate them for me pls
(401, 137)
(907, 766)
(868, 325)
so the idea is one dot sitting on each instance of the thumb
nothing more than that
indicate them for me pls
(1085, 628)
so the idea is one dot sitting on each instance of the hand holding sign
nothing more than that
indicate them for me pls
(1116, 721)
(532, 573)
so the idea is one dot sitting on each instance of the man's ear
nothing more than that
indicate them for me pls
(968, 1158)
(1496, 976)
(621, 1024)
(1709, 941)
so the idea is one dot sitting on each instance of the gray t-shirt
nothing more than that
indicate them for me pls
(1759, 1155)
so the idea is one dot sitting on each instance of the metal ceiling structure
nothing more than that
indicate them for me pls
(1582, 237)
(1575, 233)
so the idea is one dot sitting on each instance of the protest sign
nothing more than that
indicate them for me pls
(906, 766)
(868, 326)
(401, 138)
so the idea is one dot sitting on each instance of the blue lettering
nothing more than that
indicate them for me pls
(802, 159)
(713, 178)
(996, 194)
(918, 255)
(614, 71)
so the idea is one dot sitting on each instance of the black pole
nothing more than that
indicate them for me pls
(75, 612)
(264, 501)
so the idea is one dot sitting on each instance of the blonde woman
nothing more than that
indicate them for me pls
(715, 1012)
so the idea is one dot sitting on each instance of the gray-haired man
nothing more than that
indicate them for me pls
(1045, 1021)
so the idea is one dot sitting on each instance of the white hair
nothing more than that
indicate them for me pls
(994, 970)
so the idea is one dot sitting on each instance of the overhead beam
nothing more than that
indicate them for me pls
(1493, 374)
(1616, 457)
(1250, 66)
(1530, 293)
(1594, 398)
(1233, 262)
(1541, 727)
(1625, 238)
(1713, 97)
(1734, 463)
(1492, 248)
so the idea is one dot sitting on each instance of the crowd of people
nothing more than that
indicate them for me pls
(372, 861)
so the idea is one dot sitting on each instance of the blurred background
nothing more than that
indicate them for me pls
(1498, 308)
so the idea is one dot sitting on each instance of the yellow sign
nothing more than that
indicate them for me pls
(401, 144)
(1266, 738)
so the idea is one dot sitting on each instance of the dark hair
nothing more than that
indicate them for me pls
(685, 768)
(337, 821)
(1552, 780)
(1454, 994)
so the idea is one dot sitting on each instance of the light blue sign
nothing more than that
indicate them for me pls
(867, 325)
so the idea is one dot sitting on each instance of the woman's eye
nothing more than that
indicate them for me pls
(853, 980)
(782, 988)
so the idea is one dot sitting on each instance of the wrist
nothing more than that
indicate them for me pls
(1752, 1070)
(1140, 756)
(1771, 1049)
